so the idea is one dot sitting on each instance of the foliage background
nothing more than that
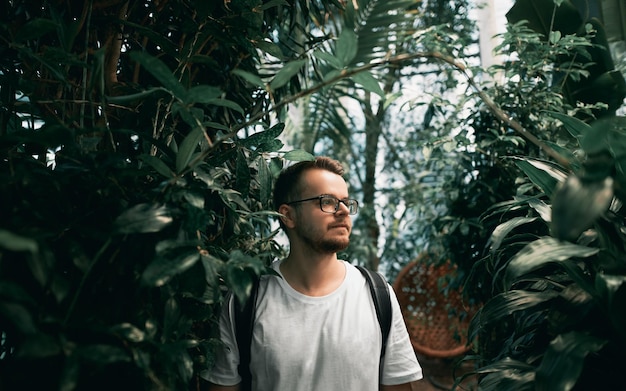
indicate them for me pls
(139, 140)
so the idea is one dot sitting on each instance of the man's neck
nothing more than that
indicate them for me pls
(313, 274)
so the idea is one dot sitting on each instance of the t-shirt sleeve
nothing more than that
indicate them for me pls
(400, 364)
(224, 372)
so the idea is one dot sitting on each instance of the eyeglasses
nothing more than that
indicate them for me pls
(330, 204)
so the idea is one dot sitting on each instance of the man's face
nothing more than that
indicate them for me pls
(321, 231)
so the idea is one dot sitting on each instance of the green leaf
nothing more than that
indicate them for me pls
(502, 230)
(347, 46)
(187, 149)
(574, 126)
(249, 77)
(242, 175)
(202, 94)
(225, 103)
(612, 292)
(270, 48)
(329, 59)
(157, 164)
(541, 252)
(161, 72)
(241, 269)
(543, 174)
(35, 28)
(129, 332)
(505, 304)
(263, 137)
(564, 359)
(288, 71)
(271, 146)
(299, 155)
(368, 82)
(143, 218)
(13, 242)
(274, 3)
(265, 182)
(160, 271)
(121, 99)
(578, 204)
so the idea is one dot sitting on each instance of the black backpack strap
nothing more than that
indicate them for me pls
(244, 323)
(382, 302)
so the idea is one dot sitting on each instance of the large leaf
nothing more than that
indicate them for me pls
(288, 71)
(241, 270)
(543, 174)
(612, 289)
(505, 304)
(165, 267)
(369, 82)
(577, 204)
(187, 149)
(574, 126)
(541, 252)
(161, 72)
(563, 362)
(346, 47)
(143, 218)
(502, 230)
(546, 16)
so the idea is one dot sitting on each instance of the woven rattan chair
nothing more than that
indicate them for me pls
(435, 317)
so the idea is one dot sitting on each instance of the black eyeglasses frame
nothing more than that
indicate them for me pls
(346, 201)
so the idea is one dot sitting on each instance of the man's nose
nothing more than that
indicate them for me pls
(343, 207)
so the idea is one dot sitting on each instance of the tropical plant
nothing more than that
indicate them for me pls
(137, 151)
(552, 271)
(384, 46)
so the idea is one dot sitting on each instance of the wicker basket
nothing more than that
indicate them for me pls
(435, 317)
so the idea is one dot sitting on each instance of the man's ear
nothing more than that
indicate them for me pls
(287, 217)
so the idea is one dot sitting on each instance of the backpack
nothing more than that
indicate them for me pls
(244, 322)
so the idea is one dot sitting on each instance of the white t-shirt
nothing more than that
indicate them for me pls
(325, 343)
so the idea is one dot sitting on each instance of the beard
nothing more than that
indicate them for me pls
(325, 245)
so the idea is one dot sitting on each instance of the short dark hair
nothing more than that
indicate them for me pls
(288, 186)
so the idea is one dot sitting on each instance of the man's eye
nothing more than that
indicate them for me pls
(328, 201)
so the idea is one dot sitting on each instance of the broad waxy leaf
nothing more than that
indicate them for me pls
(241, 269)
(129, 332)
(563, 361)
(13, 242)
(574, 126)
(143, 218)
(577, 204)
(502, 230)
(612, 289)
(541, 252)
(505, 304)
(160, 271)
(544, 174)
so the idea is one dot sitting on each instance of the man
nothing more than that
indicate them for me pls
(316, 327)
